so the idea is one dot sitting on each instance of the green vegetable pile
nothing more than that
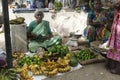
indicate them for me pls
(62, 50)
(58, 5)
(18, 20)
(85, 54)
(8, 74)
(29, 60)
(73, 61)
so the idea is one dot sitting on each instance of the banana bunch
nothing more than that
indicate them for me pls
(49, 65)
(68, 55)
(49, 68)
(38, 56)
(63, 65)
(62, 62)
(24, 73)
(35, 69)
(65, 69)
(18, 20)
(47, 54)
(20, 69)
(22, 55)
(15, 55)
(12, 73)
(25, 66)
(18, 55)
(7, 74)
(51, 73)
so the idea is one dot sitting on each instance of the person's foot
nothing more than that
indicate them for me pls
(114, 71)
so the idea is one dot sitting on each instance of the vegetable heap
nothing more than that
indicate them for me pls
(85, 54)
(62, 50)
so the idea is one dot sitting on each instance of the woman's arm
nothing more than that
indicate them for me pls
(95, 24)
(31, 36)
(90, 20)
(49, 32)
(32, 25)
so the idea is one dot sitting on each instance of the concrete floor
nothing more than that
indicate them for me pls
(88, 72)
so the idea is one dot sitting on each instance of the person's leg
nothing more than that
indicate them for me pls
(90, 33)
(33, 46)
(49, 1)
(116, 70)
(110, 64)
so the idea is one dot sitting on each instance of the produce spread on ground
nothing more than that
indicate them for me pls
(51, 62)
(57, 59)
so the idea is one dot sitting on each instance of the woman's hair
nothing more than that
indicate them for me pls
(38, 12)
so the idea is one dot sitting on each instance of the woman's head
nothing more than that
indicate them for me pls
(39, 15)
(97, 4)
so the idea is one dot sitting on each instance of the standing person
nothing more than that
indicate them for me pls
(65, 3)
(51, 1)
(31, 1)
(113, 55)
(28, 4)
(16, 5)
(51, 5)
(40, 35)
(96, 23)
(39, 3)
(73, 4)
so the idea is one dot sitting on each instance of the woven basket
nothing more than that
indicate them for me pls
(91, 61)
(98, 59)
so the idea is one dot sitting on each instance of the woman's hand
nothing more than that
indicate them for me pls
(32, 36)
(97, 24)
(47, 37)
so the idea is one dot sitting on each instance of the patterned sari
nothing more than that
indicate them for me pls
(96, 32)
(114, 41)
(42, 30)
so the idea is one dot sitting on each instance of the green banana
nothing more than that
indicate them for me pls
(12, 70)
(2, 71)
(2, 77)
(6, 78)
(11, 77)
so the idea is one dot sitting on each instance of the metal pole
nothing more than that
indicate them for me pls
(7, 33)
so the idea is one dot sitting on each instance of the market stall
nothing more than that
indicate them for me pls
(55, 61)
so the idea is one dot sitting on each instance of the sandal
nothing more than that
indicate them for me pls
(114, 71)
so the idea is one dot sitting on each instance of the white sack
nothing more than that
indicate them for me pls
(67, 22)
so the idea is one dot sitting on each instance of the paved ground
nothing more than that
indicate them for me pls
(89, 72)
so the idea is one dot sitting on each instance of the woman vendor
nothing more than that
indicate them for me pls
(96, 23)
(113, 55)
(40, 35)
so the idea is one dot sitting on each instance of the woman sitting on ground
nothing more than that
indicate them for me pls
(96, 23)
(40, 35)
